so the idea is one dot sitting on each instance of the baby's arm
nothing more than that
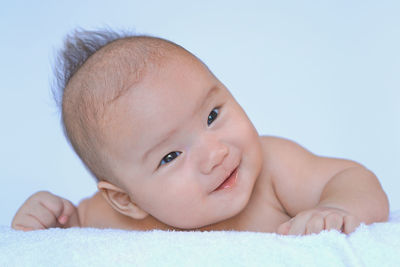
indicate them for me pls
(44, 210)
(323, 193)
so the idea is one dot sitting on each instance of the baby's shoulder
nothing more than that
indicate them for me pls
(276, 146)
(284, 158)
(273, 140)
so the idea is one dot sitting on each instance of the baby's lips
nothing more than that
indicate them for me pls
(230, 181)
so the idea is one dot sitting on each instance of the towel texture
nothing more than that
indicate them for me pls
(373, 245)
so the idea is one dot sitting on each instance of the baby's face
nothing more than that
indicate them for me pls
(182, 147)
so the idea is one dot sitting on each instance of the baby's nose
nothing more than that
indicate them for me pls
(212, 154)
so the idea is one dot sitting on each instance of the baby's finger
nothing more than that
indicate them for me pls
(284, 228)
(59, 207)
(53, 203)
(298, 226)
(67, 211)
(350, 224)
(43, 215)
(27, 222)
(334, 221)
(23, 228)
(315, 224)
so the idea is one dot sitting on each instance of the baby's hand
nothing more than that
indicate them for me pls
(44, 210)
(318, 219)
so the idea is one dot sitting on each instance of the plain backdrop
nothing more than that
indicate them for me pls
(322, 73)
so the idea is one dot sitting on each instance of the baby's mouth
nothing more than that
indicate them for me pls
(230, 181)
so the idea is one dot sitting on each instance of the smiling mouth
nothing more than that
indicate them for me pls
(230, 181)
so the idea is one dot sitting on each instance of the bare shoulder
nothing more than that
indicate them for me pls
(280, 144)
(89, 206)
(281, 152)
(290, 155)
(96, 212)
(298, 175)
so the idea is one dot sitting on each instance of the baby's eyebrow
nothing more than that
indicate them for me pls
(166, 137)
(213, 91)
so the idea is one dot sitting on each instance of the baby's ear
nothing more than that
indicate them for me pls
(120, 201)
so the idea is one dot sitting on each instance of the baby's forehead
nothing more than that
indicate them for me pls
(160, 105)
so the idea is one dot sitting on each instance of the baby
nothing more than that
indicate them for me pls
(172, 149)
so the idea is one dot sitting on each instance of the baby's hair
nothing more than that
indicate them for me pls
(78, 47)
(92, 70)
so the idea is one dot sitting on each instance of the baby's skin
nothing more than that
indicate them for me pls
(187, 157)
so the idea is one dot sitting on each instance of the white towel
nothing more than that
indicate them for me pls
(373, 245)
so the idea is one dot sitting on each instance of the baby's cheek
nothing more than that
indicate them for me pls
(180, 212)
(179, 197)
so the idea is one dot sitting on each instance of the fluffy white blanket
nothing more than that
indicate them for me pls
(373, 245)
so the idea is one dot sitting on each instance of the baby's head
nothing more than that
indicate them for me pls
(161, 134)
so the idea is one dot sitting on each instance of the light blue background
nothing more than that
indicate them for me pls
(323, 73)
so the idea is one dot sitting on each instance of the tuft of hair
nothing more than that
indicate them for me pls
(78, 47)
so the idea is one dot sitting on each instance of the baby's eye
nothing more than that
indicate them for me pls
(169, 157)
(213, 115)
